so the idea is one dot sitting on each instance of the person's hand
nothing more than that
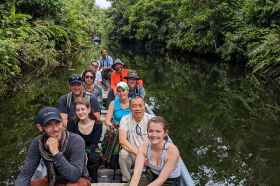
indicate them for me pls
(146, 163)
(115, 92)
(52, 144)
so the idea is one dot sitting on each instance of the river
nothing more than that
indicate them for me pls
(224, 120)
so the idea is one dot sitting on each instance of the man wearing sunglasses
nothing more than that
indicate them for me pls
(94, 66)
(66, 102)
(88, 78)
(132, 132)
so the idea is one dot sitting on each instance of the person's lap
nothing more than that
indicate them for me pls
(44, 182)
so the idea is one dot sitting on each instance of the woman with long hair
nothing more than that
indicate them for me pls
(85, 124)
(161, 155)
(120, 106)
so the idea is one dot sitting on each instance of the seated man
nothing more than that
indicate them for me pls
(132, 132)
(134, 89)
(66, 102)
(62, 152)
(88, 77)
(105, 63)
(94, 66)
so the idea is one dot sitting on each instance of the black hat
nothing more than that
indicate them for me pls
(132, 74)
(116, 62)
(47, 114)
(75, 78)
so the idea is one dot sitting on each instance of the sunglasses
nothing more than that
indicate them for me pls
(76, 78)
(94, 65)
(138, 130)
(91, 77)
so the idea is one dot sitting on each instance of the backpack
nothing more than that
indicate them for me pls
(69, 98)
(111, 147)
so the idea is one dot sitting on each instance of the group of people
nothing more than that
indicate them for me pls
(71, 133)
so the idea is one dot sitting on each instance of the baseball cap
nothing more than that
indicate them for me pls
(47, 114)
(123, 85)
(75, 78)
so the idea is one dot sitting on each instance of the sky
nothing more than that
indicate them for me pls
(102, 3)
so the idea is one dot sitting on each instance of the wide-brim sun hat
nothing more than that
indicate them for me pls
(132, 74)
(116, 62)
(123, 85)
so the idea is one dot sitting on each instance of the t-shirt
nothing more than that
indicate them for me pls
(72, 160)
(63, 109)
(117, 77)
(92, 139)
(119, 112)
(129, 125)
(98, 77)
(97, 92)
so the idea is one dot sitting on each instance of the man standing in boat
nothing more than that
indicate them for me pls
(63, 154)
(105, 63)
(66, 102)
(132, 132)
(134, 89)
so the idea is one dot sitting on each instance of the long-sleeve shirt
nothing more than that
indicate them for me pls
(107, 62)
(70, 166)
(117, 77)
(92, 139)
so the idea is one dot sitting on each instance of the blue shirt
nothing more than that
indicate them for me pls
(119, 112)
(107, 62)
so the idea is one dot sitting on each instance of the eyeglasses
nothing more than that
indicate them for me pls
(138, 130)
(94, 65)
(91, 77)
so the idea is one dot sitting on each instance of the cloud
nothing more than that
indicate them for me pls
(102, 3)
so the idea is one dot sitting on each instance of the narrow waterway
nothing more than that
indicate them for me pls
(224, 120)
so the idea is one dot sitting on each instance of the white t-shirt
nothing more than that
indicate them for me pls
(98, 77)
(128, 124)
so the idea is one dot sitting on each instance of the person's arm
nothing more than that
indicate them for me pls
(95, 106)
(172, 157)
(109, 114)
(31, 163)
(110, 63)
(96, 137)
(63, 110)
(139, 162)
(71, 126)
(140, 82)
(100, 97)
(71, 170)
(99, 78)
(113, 82)
(126, 145)
(141, 92)
(99, 83)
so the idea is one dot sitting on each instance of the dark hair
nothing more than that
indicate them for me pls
(135, 97)
(102, 50)
(94, 62)
(160, 120)
(83, 101)
(86, 71)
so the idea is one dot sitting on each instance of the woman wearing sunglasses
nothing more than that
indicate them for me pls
(85, 124)
(118, 107)
(89, 77)
(161, 156)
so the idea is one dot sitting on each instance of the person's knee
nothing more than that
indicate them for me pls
(123, 154)
(94, 158)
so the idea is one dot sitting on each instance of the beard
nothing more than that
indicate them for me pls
(119, 70)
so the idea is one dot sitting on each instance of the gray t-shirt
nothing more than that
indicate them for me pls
(70, 166)
(128, 124)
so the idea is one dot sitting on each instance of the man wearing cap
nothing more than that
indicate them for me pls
(134, 89)
(63, 154)
(66, 102)
(94, 66)
(132, 132)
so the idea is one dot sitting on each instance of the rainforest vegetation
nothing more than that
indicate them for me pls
(36, 34)
(245, 32)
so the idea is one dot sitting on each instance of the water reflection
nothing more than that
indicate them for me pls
(224, 121)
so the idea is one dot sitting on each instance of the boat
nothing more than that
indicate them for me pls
(106, 177)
